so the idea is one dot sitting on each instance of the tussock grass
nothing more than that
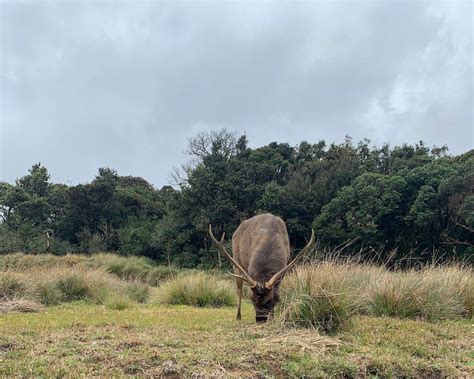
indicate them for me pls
(317, 296)
(66, 284)
(133, 268)
(22, 262)
(93, 286)
(138, 292)
(12, 285)
(323, 295)
(432, 293)
(198, 289)
(328, 294)
(118, 303)
(126, 268)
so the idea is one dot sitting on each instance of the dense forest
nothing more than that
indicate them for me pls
(398, 201)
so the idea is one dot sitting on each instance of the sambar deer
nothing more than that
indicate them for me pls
(261, 250)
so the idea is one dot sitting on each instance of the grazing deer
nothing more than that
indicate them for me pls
(261, 250)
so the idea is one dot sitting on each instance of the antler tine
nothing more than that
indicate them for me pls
(245, 276)
(273, 280)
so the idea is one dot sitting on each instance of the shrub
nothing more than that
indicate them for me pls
(197, 289)
(60, 247)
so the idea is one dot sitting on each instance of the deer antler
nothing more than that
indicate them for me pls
(245, 276)
(275, 278)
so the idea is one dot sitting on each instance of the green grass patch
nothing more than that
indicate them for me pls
(157, 340)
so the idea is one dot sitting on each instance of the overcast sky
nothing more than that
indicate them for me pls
(89, 84)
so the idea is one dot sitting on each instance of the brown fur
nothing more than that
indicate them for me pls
(261, 246)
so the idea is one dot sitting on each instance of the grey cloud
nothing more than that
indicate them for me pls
(86, 85)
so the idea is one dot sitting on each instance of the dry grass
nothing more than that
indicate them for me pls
(328, 294)
(132, 268)
(126, 268)
(23, 262)
(108, 332)
(19, 305)
(432, 293)
(317, 297)
(59, 284)
(323, 295)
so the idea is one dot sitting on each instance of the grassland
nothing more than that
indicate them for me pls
(84, 339)
(106, 315)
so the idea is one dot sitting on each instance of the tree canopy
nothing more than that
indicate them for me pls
(408, 199)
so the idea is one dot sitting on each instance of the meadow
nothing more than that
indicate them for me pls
(105, 314)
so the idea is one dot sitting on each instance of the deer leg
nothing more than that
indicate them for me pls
(239, 294)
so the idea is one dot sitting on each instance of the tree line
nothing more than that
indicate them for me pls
(402, 200)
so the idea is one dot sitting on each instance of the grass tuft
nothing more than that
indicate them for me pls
(118, 303)
(138, 292)
(433, 293)
(61, 284)
(197, 289)
(126, 268)
(48, 293)
(315, 297)
(11, 285)
(327, 295)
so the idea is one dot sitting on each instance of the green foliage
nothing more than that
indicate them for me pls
(361, 209)
(136, 238)
(408, 198)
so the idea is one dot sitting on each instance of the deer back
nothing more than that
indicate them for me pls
(261, 246)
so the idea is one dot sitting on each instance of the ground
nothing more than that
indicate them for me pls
(83, 339)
